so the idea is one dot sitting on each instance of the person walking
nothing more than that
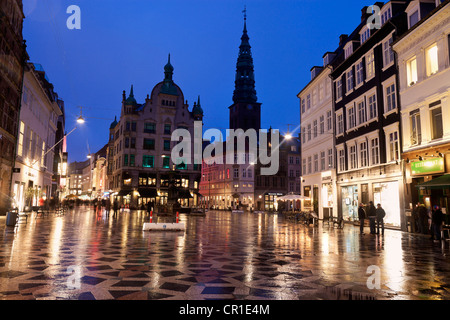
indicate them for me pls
(380, 219)
(372, 214)
(415, 219)
(361, 217)
(437, 218)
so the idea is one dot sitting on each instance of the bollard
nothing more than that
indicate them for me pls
(151, 216)
(178, 214)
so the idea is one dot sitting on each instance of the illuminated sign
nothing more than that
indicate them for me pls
(428, 166)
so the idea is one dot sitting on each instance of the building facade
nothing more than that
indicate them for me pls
(140, 147)
(286, 181)
(12, 63)
(317, 134)
(38, 122)
(424, 79)
(367, 110)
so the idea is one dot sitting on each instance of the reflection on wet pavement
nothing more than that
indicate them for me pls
(84, 255)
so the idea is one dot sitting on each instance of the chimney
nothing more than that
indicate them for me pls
(342, 39)
(364, 14)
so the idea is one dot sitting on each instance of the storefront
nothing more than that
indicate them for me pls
(349, 196)
(429, 182)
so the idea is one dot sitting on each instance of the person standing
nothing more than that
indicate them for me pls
(437, 218)
(372, 214)
(115, 207)
(361, 217)
(423, 219)
(149, 207)
(380, 219)
(107, 207)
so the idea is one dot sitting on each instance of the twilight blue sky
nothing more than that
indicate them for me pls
(125, 42)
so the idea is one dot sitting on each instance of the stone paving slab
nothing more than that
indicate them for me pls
(87, 256)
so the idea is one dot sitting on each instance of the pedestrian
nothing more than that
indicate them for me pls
(107, 207)
(115, 207)
(149, 207)
(437, 218)
(423, 219)
(372, 215)
(361, 217)
(380, 219)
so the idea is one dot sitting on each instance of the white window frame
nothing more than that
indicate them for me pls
(339, 89)
(351, 116)
(352, 156)
(388, 52)
(340, 123)
(350, 80)
(387, 85)
(362, 114)
(392, 133)
(370, 103)
(340, 151)
(359, 74)
(373, 147)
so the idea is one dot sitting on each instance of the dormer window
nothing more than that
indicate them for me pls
(365, 34)
(413, 18)
(348, 50)
(386, 15)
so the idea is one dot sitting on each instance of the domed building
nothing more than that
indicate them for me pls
(140, 146)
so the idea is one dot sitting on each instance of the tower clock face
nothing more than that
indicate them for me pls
(250, 107)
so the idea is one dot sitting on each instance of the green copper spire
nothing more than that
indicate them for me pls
(131, 100)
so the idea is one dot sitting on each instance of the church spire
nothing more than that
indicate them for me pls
(245, 79)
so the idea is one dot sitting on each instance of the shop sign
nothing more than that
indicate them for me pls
(428, 166)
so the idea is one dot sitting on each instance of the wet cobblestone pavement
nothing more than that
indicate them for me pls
(221, 256)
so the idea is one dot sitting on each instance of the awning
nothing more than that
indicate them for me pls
(123, 193)
(184, 194)
(147, 193)
(443, 182)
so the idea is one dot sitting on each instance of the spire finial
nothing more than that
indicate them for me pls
(131, 91)
(169, 57)
(245, 18)
(198, 103)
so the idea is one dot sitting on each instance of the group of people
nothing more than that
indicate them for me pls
(427, 221)
(375, 216)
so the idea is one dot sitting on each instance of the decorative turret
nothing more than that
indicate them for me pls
(131, 101)
(197, 111)
(168, 86)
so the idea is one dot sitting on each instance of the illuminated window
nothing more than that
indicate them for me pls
(370, 61)
(432, 60)
(411, 71)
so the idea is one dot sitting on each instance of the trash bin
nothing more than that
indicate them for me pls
(11, 218)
